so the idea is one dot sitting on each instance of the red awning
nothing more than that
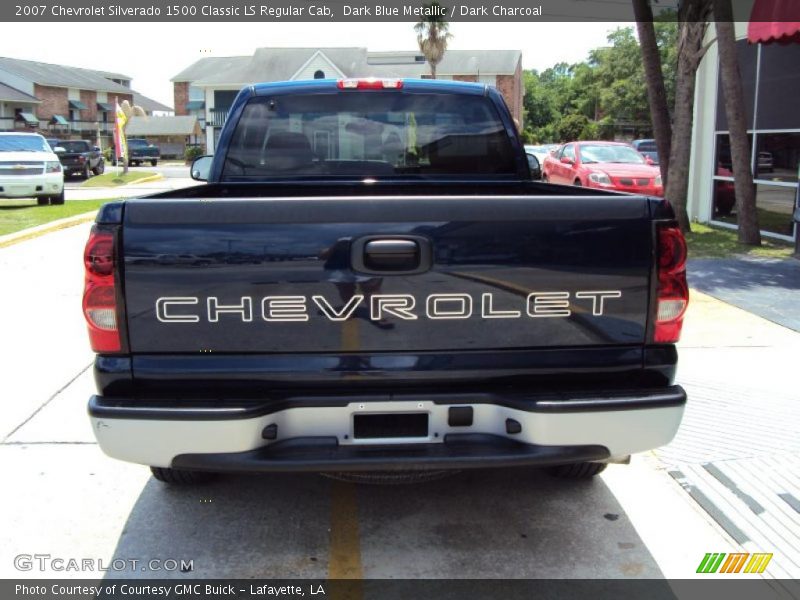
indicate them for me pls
(774, 21)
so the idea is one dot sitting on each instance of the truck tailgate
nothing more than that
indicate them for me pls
(275, 276)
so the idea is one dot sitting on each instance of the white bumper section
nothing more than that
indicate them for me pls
(155, 442)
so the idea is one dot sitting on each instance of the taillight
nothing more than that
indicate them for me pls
(100, 293)
(672, 294)
(369, 83)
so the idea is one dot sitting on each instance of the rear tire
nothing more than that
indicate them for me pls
(100, 168)
(86, 173)
(179, 476)
(153, 162)
(584, 470)
(57, 199)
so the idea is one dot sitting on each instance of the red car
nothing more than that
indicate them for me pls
(603, 165)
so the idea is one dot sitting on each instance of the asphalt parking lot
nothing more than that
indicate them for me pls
(635, 521)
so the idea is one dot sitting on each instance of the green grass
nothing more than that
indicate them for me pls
(111, 179)
(715, 242)
(16, 215)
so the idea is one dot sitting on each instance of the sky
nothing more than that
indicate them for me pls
(153, 53)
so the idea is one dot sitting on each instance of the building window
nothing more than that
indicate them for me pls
(778, 156)
(771, 83)
(319, 74)
(724, 161)
(774, 203)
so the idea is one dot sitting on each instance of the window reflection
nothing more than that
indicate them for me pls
(778, 156)
(723, 154)
(775, 205)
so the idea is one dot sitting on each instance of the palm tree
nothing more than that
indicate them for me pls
(693, 20)
(654, 78)
(432, 35)
(747, 215)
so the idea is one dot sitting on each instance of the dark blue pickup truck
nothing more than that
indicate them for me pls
(372, 282)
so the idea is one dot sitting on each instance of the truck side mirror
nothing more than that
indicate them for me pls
(535, 167)
(201, 167)
(59, 150)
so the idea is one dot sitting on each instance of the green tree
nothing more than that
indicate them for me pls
(572, 127)
(433, 35)
(608, 89)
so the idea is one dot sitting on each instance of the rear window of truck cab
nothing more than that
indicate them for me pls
(376, 134)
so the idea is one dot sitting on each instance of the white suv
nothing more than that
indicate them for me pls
(29, 168)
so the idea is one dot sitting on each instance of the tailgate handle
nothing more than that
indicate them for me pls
(391, 255)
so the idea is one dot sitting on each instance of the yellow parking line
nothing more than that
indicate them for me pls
(350, 336)
(344, 563)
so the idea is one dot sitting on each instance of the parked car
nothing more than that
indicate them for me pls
(30, 168)
(603, 165)
(648, 149)
(540, 151)
(765, 162)
(452, 367)
(79, 157)
(724, 193)
(141, 151)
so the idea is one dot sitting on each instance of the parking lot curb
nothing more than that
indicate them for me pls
(155, 177)
(40, 230)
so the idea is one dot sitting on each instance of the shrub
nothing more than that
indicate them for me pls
(192, 152)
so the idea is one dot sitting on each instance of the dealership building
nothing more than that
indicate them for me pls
(769, 60)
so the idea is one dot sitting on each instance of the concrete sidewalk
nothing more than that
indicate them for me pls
(766, 287)
(737, 453)
(129, 191)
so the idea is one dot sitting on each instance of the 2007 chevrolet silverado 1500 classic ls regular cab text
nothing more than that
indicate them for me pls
(371, 281)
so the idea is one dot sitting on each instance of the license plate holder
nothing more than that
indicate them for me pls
(390, 425)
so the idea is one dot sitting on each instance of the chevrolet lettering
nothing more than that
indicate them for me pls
(370, 277)
(401, 306)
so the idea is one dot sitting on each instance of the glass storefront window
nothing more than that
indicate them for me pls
(748, 59)
(779, 83)
(724, 164)
(775, 205)
(778, 156)
(724, 201)
(775, 159)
